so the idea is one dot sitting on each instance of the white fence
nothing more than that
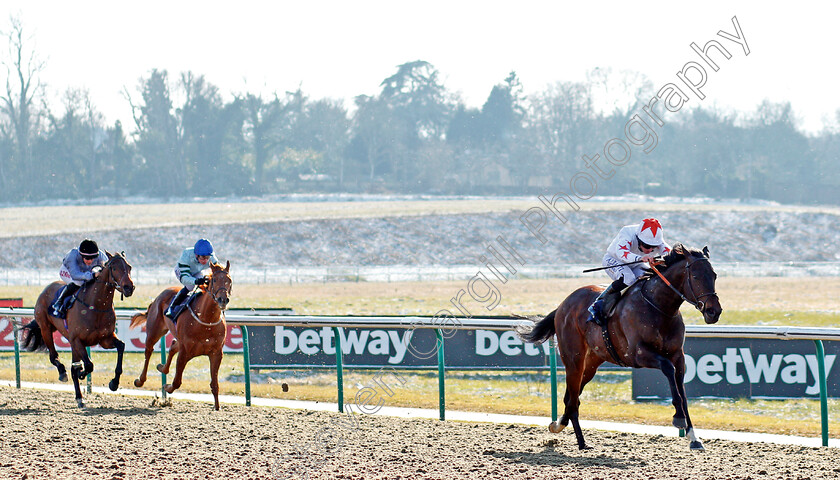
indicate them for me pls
(408, 273)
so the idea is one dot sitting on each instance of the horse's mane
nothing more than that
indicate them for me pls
(678, 252)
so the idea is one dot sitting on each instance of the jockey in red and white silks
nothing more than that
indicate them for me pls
(633, 243)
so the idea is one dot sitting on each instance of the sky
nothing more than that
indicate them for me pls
(340, 49)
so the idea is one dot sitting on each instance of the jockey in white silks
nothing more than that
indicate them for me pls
(630, 254)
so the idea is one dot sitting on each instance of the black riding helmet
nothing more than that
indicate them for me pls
(88, 248)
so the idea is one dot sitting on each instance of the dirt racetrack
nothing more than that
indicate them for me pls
(43, 435)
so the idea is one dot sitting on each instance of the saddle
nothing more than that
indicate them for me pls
(611, 302)
(66, 304)
(177, 309)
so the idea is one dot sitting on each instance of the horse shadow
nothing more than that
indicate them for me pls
(549, 456)
(123, 411)
(13, 412)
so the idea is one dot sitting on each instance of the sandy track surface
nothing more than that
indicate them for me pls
(115, 437)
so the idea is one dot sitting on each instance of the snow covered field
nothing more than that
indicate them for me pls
(335, 238)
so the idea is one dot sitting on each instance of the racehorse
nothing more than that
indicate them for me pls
(199, 329)
(646, 330)
(90, 321)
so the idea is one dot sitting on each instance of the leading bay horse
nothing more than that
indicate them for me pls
(200, 329)
(646, 330)
(90, 321)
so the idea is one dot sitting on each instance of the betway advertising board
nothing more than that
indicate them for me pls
(279, 346)
(746, 368)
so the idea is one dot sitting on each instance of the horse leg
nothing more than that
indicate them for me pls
(76, 371)
(215, 362)
(179, 372)
(173, 350)
(668, 369)
(590, 368)
(574, 381)
(139, 381)
(114, 342)
(679, 377)
(675, 375)
(153, 336)
(47, 335)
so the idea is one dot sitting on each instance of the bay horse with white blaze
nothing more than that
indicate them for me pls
(200, 329)
(90, 321)
(646, 330)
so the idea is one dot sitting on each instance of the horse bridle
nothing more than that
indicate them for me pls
(99, 279)
(212, 294)
(222, 287)
(113, 283)
(697, 302)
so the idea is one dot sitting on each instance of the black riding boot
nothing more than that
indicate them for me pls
(57, 308)
(179, 298)
(605, 302)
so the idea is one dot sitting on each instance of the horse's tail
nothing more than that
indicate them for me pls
(540, 332)
(31, 337)
(138, 319)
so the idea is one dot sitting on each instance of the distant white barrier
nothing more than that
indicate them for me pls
(416, 273)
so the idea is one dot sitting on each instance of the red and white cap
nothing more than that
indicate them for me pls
(650, 232)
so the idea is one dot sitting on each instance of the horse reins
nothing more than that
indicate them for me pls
(207, 324)
(112, 283)
(697, 303)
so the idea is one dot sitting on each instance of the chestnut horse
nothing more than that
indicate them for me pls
(199, 329)
(646, 330)
(90, 321)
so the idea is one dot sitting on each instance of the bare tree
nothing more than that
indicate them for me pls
(17, 101)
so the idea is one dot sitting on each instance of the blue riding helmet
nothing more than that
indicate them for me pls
(203, 247)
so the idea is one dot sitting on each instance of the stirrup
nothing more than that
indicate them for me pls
(594, 316)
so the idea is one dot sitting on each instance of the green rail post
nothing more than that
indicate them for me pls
(90, 375)
(552, 365)
(823, 392)
(163, 362)
(17, 353)
(339, 369)
(246, 363)
(441, 384)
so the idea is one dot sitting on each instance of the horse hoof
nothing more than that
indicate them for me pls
(80, 403)
(584, 447)
(169, 388)
(114, 385)
(161, 369)
(138, 383)
(62, 377)
(679, 422)
(555, 427)
(697, 446)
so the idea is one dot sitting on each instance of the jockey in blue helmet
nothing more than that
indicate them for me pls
(191, 270)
